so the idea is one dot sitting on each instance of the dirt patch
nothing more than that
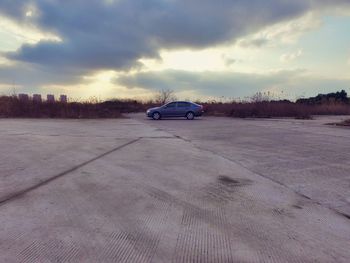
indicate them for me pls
(231, 182)
(224, 189)
(282, 212)
(345, 123)
(297, 206)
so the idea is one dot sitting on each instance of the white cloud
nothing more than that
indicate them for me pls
(5, 62)
(162, 34)
(131, 29)
(14, 34)
(282, 33)
(291, 56)
(284, 83)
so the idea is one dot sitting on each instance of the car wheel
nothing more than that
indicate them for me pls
(156, 116)
(190, 115)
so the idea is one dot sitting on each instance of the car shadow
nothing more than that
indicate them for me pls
(175, 119)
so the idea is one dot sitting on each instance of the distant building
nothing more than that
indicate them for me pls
(37, 98)
(63, 98)
(23, 97)
(50, 98)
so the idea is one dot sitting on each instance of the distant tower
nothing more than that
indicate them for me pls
(50, 98)
(63, 98)
(37, 98)
(23, 97)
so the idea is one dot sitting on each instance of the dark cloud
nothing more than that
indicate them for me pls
(207, 83)
(229, 84)
(98, 34)
(115, 34)
(32, 76)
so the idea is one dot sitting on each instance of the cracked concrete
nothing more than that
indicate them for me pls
(134, 190)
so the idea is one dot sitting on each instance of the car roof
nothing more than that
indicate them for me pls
(180, 101)
(177, 101)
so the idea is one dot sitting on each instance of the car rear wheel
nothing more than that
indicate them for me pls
(190, 115)
(156, 116)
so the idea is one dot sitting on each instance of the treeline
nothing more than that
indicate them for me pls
(13, 107)
(274, 109)
(259, 106)
(334, 98)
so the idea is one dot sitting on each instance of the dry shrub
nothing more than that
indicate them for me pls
(11, 106)
(269, 109)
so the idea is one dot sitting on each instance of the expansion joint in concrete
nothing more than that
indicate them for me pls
(22, 192)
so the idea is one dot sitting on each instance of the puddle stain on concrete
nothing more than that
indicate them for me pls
(224, 189)
(233, 182)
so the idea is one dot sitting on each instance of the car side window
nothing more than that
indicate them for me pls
(171, 105)
(183, 104)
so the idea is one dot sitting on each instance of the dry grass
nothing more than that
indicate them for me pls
(269, 109)
(12, 107)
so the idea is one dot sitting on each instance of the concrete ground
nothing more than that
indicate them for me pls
(209, 190)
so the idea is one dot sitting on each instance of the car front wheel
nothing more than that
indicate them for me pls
(156, 116)
(190, 115)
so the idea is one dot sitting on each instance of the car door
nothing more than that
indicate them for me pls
(182, 108)
(169, 110)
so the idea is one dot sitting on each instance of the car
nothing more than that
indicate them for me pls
(186, 109)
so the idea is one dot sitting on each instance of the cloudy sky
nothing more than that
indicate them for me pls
(198, 48)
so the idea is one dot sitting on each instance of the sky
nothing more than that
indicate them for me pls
(201, 49)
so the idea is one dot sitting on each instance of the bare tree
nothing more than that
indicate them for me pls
(164, 96)
(261, 97)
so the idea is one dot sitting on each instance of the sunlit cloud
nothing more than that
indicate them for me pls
(97, 90)
(287, 83)
(194, 60)
(58, 46)
(291, 56)
(14, 34)
(6, 62)
(287, 32)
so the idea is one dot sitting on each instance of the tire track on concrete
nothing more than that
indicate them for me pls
(154, 223)
(200, 241)
(72, 216)
(19, 194)
(29, 254)
(196, 217)
(37, 251)
(344, 214)
(277, 250)
(140, 243)
(116, 243)
(55, 250)
(122, 244)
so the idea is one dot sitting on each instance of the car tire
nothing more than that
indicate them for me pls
(190, 115)
(156, 116)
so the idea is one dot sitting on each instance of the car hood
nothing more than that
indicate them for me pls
(155, 108)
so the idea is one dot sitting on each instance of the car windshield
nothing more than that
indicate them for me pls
(170, 105)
